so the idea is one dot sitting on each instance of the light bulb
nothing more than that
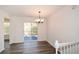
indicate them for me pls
(42, 20)
(37, 20)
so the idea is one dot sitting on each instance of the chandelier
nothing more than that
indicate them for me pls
(40, 19)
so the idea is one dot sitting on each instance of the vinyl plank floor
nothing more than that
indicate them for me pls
(29, 47)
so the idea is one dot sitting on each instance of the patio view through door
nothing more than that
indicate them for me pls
(30, 31)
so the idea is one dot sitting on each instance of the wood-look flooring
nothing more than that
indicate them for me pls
(29, 47)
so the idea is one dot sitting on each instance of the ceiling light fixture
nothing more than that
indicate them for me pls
(40, 19)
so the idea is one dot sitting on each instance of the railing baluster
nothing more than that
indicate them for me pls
(72, 48)
(78, 48)
(64, 50)
(67, 49)
(61, 50)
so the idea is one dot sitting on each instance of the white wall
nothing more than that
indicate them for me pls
(2, 15)
(1, 36)
(17, 29)
(64, 25)
(42, 31)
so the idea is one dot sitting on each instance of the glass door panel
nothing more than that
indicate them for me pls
(30, 31)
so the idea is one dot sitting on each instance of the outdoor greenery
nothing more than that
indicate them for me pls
(34, 30)
(30, 29)
(6, 28)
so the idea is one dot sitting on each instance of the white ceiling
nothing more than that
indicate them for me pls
(30, 10)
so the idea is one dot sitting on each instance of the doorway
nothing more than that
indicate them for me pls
(30, 31)
(6, 26)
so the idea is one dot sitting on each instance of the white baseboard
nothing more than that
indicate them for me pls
(50, 43)
(16, 42)
(2, 50)
(40, 40)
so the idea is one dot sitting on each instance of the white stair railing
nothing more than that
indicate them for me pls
(70, 48)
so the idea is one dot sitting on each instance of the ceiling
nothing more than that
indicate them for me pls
(30, 10)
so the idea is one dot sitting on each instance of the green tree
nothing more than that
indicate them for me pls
(34, 29)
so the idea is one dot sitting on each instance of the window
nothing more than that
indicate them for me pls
(30, 31)
(6, 28)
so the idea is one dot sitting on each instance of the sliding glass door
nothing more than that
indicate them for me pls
(30, 31)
